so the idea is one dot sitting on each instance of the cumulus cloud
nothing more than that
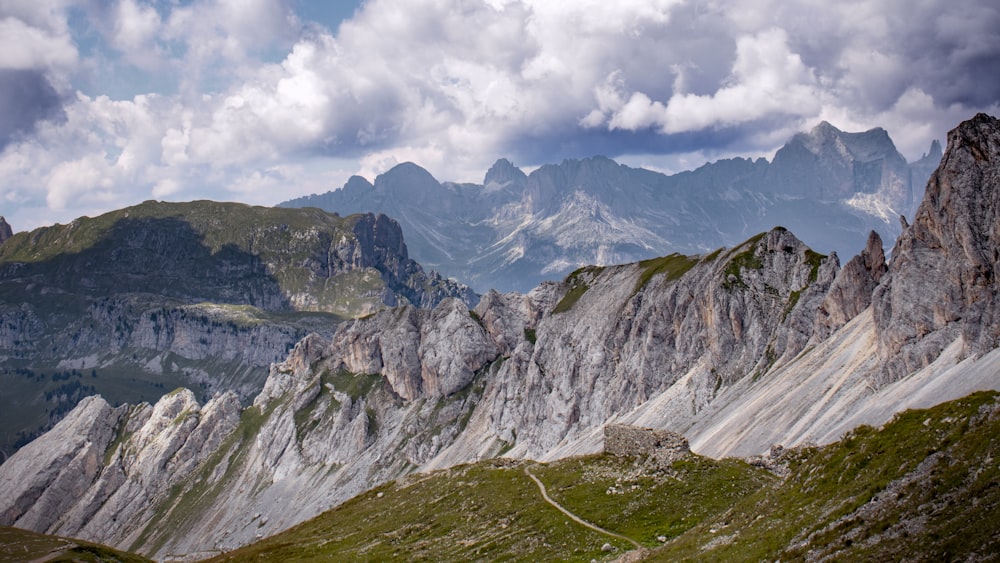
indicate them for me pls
(29, 47)
(250, 102)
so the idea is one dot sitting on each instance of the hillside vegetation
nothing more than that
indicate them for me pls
(926, 487)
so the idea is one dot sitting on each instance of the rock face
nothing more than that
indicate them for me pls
(726, 348)
(942, 279)
(62, 467)
(851, 291)
(5, 231)
(515, 230)
(118, 461)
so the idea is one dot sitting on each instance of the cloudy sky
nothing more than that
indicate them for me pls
(106, 103)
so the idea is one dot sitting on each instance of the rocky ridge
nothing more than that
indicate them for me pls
(763, 343)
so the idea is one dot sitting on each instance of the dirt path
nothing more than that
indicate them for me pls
(574, 517)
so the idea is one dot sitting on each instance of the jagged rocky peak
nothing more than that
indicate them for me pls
(44, 479)
(382, 237)
(828, 163)
(872, 143)
(935, 153)
(5, 231)
(420, 353)
(851, 291)
(945, 265)
(503, 172)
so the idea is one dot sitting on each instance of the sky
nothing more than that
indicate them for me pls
(107, 103)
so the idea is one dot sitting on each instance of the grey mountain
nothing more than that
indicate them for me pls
(767, 342)
(515, 230)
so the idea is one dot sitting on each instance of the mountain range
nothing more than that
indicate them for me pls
(136, 302)
(750, 350)
(516, 230)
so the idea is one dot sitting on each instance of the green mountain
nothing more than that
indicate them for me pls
(138, 301)
(923, 488)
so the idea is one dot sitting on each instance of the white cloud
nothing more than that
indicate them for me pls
(27, 47)
(258, 104)
(136, 30)
(766, 80)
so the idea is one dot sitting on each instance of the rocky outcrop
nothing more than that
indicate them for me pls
(942, 278)
(47, 477)
(106, 470)
(662, 446)
(630, 335)
(420, 353)
(851, 291)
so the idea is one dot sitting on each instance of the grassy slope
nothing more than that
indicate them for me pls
(926, 487)
(220, 224)
(18, 545)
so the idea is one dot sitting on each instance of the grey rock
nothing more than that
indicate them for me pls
(47, 477)
(5, 230)
(851, 291)
(942, 278)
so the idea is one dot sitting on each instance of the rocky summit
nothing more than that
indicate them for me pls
(515, 230)
(736, 351)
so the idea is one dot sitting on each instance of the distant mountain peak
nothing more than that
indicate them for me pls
(824, 128)
(503, 171)
(358, 182)
(405, 177)
(935, 153)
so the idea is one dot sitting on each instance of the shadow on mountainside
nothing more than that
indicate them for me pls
(160, 256)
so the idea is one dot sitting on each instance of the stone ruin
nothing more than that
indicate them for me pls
(662, 446)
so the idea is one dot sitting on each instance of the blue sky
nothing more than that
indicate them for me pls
(106, 103)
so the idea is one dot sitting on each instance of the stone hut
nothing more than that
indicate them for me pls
(663, 446)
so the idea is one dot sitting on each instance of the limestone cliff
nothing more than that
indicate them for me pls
(942, 279)
(851, 291)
